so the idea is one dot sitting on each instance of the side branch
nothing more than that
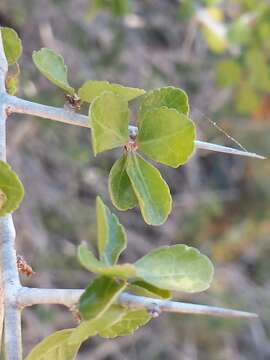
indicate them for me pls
(70, 297)
(20, 106)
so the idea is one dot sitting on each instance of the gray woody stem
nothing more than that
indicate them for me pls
(70, 297)
(13, 296)
(9, 274)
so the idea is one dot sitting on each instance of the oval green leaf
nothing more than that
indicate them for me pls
(130, 322)
(169, 96)
(53, 67)
(56, 347)
(112, 238)
(142, 288)
(166, 136)
(90, 262)
(92, 327)
(91, 89)
(12, 45)
(11, 190)
(120, 188)
(152, 191)
(98, 297)
(228, 73)
(176, 268)
(109, 116)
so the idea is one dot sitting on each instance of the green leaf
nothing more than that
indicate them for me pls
(171, 97)
(142, 288)
(91, 89)
(12, 45)
(98, 297)
(130, 322)
(246, 99)
(152, 191)
(53, 67)
(12, 84)
(166, 136)
(112, 238)
(120, 188)
(228, 73)
(258, 70)
(92, 327)
(116, 7)
(239, 32)
(176, 268)
(55, 347)
(11, 190)
(90, 262)
(109, 116)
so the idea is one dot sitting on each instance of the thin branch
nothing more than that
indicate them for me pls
(20, 106)
(159, 306)
(70, 298)
(9, 274)
(35, 296)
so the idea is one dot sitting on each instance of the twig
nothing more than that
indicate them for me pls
(70, 297)
(20, 106)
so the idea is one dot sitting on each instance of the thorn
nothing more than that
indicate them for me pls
(227, 150)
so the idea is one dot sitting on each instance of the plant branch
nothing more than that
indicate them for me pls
(20, 106)
(14, 297)
(70, 298)
(8, 266)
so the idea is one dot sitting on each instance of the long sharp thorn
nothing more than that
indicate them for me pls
(224, 149)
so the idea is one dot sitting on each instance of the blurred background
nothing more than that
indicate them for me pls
(219, 52)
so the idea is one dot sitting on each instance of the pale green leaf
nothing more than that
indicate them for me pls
(92, 327)
(142, 288)
(12, 45)
(258, 70)
(91, 89)
(152, 191)
(55, 347)
(166, 136)
(99, 296)
(216, 43)
(120, 188)
(53, 67)
(239, 32)
(169, 96)
(130, 322)
(12, 84)
(176, 268)
(116, 7)
(112, 238)
(228, 73)
(90, 262)
(109, 116)
(246, 99)
(11, 189)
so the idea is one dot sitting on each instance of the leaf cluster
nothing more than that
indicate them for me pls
(165, 134)
(166, 269)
